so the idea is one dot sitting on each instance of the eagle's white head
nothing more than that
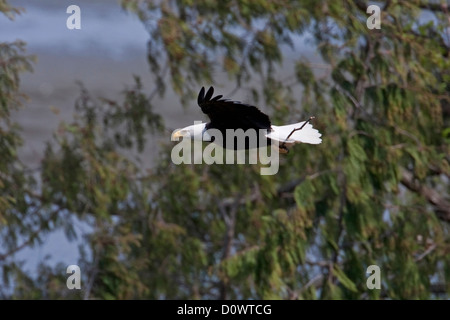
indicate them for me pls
(196, 131)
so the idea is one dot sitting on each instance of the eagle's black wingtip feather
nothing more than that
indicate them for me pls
(209, 94)
(201, 96)
(217, 97)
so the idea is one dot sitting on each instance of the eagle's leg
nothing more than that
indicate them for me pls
(283, 149)
(283, 145)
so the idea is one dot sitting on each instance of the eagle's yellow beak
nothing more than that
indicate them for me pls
(177, 135)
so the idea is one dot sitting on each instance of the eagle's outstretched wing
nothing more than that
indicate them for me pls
(226, 114)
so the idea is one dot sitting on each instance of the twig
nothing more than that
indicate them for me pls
(426, 252)
(283, 145)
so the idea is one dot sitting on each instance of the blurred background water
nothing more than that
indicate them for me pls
(104, 54)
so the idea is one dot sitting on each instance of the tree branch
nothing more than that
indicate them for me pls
(33, 236)
(441, 204)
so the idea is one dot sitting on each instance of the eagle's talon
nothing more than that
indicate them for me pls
(283, 149)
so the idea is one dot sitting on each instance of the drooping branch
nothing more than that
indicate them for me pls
(441, 204)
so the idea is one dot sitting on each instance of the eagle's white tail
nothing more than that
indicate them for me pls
(306, 135)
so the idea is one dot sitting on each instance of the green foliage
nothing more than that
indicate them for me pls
(374, 192)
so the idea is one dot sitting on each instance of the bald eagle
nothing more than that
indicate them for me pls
(226, 115)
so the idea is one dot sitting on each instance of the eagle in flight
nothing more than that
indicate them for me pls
(226, 115)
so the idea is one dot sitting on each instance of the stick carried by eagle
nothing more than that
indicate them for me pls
(227, 114)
